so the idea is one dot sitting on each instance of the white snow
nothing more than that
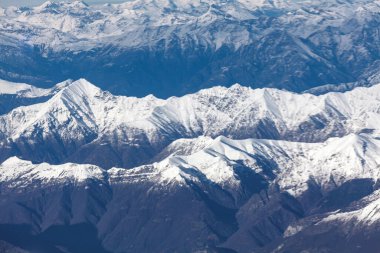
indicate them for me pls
(80, 107)
(21, 88)
(75, 26)
(294, 163)
(29, 91)
(364, 217)
(20, 173)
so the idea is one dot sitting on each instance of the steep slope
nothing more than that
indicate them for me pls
(245, 191)
(352, 229)
(14, 95)
(170, 48)
(84, 124)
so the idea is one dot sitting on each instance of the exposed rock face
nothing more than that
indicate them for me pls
(231, 195)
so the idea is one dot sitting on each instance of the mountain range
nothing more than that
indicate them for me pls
(221, 170)
(205, 126)
(168, 48)
(83, 124)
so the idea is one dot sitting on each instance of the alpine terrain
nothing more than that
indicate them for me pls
(175, 47)
(221, 170)
(208, 126)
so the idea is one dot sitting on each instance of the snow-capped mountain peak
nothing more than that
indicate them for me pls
(290, 164)
(236, 112)
(255, 155)
(49, 5)
(79, 89)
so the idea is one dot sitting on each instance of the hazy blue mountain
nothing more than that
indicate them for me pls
(170, 48)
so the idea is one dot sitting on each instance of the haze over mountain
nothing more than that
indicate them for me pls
(169, 48)
(20, 3)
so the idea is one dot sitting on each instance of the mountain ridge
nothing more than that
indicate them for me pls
(220, 171)
(268, 167)
(125, 125)
(175, 51)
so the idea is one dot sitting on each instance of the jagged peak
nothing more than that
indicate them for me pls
(15, 161)
(219, 90)
(63, 84)
(216, 160)
(73, 97)
(80, 88)
(58, 5)
(46, 5)
(79, 3)
(353, 145)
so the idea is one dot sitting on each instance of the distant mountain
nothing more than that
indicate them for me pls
(167, 48)
(227, 196)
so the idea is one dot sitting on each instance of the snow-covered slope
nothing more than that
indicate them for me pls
(225, 178)
(169, 48)
(16, 88)
(293, 163)
(81, 116)
(21, 173)
(14, 95)
(265, 169)
(80, 122)
(216, 170)
(24, 90)
(289, 164)
(75, 22)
